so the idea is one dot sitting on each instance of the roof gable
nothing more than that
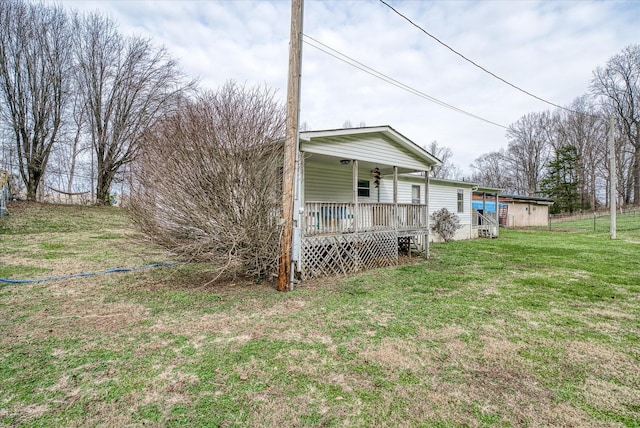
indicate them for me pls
(380, 144)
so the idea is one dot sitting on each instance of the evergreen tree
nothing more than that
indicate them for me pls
(561, 182)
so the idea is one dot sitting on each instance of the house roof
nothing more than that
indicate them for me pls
(528, 199)
(416, 177)
(452, 182)
(484, 189)
(344, 143)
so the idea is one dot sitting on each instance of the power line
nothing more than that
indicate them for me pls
(478, 65)
(359, 65)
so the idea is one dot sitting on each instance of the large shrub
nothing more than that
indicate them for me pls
(209, 180)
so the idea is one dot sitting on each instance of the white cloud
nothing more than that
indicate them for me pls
(547, 47)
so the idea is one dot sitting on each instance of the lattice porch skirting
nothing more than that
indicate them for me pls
(343, 254)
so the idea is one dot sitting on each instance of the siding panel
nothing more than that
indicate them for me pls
(441, 195)
(367, 148)
(334, 183)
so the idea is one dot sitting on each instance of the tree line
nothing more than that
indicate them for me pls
(564, 153)
(76, 96)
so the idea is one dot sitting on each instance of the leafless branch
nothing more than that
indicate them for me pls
(209, 180)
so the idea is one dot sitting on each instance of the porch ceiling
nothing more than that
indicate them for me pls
(385, 169)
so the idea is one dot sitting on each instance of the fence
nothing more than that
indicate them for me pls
(4, 192)
(626, 220)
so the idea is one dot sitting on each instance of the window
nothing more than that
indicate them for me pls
(363, 188)
(415, 194)
(460, 200)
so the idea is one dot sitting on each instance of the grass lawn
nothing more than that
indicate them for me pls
(535, 328)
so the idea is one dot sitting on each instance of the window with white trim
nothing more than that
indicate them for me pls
(415, 194)
(460, 200)
(364, 188)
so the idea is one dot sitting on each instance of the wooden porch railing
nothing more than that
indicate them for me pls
(342, 217)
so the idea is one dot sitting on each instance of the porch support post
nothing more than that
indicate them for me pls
(484, 203)
(497, 216)
(425, 242)
(355, 195)
(395, 198)
(356, 251)
(301, 175)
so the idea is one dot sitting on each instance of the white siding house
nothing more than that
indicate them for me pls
(453, 195)
(347, 218)
(362, 196)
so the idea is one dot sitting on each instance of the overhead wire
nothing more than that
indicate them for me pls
(310, 41)
(406, 18)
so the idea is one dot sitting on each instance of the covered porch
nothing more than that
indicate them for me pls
(350, 219)
(487, 212)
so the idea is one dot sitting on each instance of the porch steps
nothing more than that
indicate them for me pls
(407, 245)
(485, 232)
(487, 227)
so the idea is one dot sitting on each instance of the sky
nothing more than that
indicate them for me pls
(548, 48)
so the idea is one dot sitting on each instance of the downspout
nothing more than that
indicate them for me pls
(298, 218)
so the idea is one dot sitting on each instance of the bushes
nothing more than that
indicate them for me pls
(445, 224)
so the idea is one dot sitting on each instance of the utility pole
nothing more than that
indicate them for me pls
(612, 181)
(290, 144)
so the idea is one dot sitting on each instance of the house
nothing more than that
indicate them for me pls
(453, 195)
(351, 208)
(526, 211)
(363, 194)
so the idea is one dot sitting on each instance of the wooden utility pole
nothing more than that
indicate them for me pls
(290, 144)
(613, 193)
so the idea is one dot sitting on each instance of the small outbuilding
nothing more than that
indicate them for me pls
(526, 211)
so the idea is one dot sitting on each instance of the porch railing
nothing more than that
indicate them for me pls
(341, 217)
(487, 226)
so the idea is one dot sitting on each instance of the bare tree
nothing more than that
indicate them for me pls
(528, 151)
(128, 85)
(618, 85)
(209, 180)
(625, 154)
(447, 170)
(492, 170)
(305, 127)
(68, 175)
(35, 63)
(76, 145)
(583, 128)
